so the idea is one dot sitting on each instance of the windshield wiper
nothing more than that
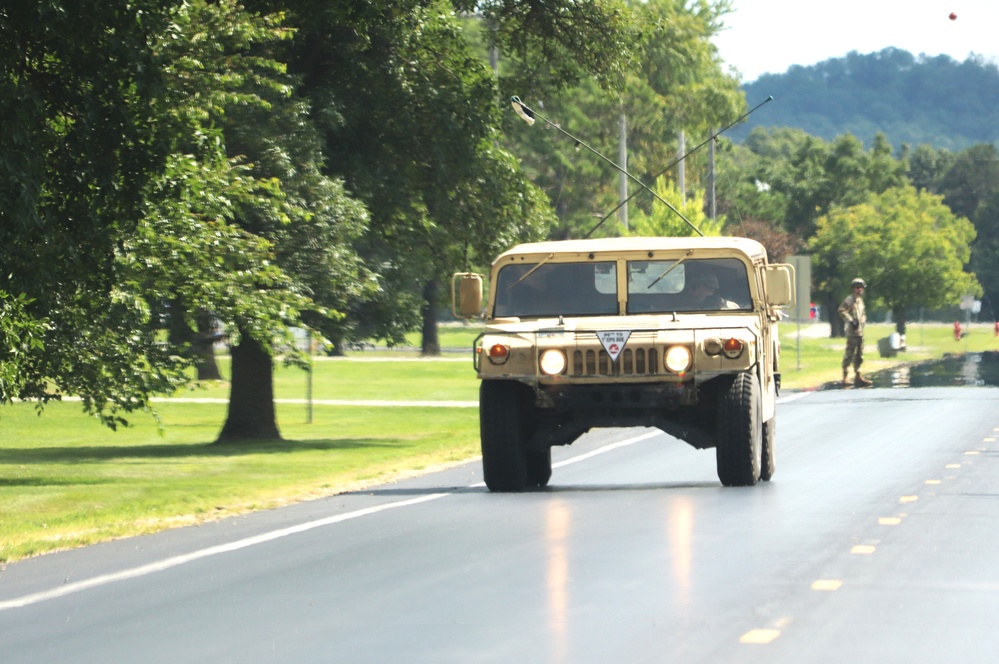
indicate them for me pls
(532, 270)
(669, 269)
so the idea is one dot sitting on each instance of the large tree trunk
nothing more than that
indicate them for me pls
(431, 341)
(251, 395)
(835, 322)
(900, 320)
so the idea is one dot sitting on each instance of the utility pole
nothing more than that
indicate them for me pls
(681, 170)
(622, 159)
(712, 210)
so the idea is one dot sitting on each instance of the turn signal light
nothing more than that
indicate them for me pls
(499, 354)
(733, 348)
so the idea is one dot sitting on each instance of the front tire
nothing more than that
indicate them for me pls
(740, 431)
(502, 432)
(539, 467)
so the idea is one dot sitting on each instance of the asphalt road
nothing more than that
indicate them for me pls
(876, 541)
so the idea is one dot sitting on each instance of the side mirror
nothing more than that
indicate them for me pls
(780, 285)
(466, 294)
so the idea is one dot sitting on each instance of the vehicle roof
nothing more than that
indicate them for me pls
(753, 249)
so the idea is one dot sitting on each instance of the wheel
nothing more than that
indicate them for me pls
(502, 432)
(740, 431)
(539, 467)
(767, 456)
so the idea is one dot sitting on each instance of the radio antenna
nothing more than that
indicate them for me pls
(529, 115)
(678, 160)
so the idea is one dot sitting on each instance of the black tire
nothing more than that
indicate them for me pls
(502, 433)
(767, 456)
(539, 467)
(740, 431)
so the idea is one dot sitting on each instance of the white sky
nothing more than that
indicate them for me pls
(768, 36)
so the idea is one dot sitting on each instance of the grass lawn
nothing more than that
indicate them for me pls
(66, 481)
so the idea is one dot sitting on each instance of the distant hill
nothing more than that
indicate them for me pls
(935, 100)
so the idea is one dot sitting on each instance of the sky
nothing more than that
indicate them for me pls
(768, 36)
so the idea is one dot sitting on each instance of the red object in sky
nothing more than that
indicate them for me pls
(953, 16)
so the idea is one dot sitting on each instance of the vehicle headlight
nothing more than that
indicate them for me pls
(677, 359)
(552, 362)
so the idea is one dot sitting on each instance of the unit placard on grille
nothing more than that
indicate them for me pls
(613, 341)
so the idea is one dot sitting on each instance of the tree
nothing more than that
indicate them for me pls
(913, 100)
(411, 125)
(969, 182)
(664, 222)
(908, 246)
(263, 236)
(78, 90)
(677, 85)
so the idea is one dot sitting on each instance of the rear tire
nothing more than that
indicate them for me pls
(740, 431)
(767, 456)
(502, 431)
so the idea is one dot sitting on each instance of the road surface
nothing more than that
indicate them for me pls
(876, 541)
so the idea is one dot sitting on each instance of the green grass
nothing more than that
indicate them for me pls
(66, 481)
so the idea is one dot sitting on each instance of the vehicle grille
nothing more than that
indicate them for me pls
(631, 362)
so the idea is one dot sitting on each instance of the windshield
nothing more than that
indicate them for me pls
(554, 289)
(662, 286)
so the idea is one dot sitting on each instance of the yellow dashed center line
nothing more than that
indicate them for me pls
(827, 584)
(953, 465)
(932, 482)
(908, 499)
(972, 452)
(863, 549)
(889, 521)
(759, 636)
(988, 440)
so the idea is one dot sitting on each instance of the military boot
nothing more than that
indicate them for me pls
(860, 381)
(846, 381)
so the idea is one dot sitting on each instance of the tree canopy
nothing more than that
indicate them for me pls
(906, 244)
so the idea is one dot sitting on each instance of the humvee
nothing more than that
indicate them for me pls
(674, 333)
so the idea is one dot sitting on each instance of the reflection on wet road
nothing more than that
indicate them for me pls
(967, 370)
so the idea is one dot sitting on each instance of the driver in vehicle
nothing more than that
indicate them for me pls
(703, 293)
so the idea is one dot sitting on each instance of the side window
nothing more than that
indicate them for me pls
(716, 284)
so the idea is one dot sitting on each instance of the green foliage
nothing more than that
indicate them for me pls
(79, 143)
(907, 245)
(916, 100)
(805, 177)
(558, 43)
(678, 85)
(664, 222)
(412, 127)
(21, 342)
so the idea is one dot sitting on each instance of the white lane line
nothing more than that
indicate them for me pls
(176, 561)
(162, 565)
(609, 448)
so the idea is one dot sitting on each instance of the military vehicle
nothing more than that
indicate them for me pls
(678, 333)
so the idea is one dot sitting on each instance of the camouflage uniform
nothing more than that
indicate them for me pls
(854, 317)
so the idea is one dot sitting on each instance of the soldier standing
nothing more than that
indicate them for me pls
(854, 317)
